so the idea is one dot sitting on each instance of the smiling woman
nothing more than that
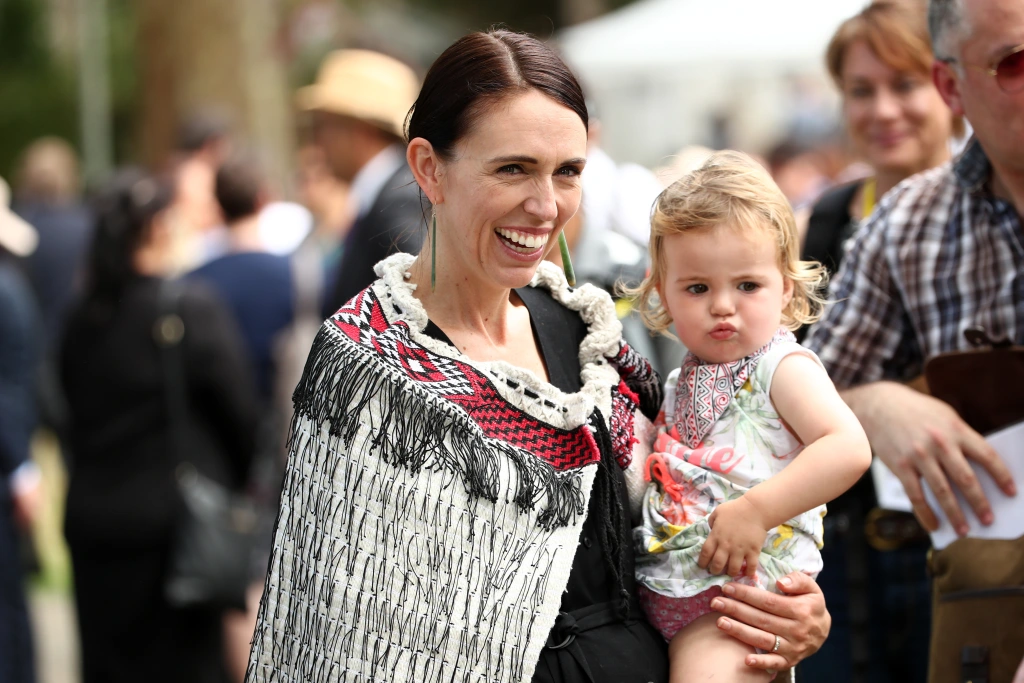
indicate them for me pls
(881, 61)
(455, 505)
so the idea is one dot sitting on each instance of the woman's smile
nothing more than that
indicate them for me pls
(523, 243)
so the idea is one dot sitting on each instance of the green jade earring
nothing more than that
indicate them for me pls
(570, 274)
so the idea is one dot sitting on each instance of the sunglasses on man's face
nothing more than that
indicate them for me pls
(1008, 70)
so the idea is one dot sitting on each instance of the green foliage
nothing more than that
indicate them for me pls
(39, 92)
(37, 97)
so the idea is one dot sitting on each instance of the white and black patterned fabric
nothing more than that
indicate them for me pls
(433, 504)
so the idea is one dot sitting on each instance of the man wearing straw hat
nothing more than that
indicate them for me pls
(19, 480)
(359, 103)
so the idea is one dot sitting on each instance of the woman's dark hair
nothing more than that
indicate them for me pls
(124, 211)
(479, 69)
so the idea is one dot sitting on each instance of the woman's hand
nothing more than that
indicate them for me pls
(755, 616)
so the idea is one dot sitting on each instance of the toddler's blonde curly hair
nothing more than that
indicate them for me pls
(730, 189)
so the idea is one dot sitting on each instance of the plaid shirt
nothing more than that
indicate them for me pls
(940, 254)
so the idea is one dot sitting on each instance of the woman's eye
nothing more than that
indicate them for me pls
(749, 287)
(697, 289)
(569, 171)
(906, 85)
(511, 169)
(860, 92)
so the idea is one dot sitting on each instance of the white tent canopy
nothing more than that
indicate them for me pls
(677, 32)
(657, 65)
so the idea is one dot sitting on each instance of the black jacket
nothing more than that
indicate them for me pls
(396, 222)
(122, 490)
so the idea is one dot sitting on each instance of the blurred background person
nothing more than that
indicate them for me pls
(123, 498)
(260, 291)
(359, 103)
(607, 237)
(329, 200)
(875, 583)
(617, 197)
(896, 122)
(47, 194)
(19, 479)
(255, 284)
(796, 168)
(203, 142)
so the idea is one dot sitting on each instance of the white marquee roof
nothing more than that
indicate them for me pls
(665, 33)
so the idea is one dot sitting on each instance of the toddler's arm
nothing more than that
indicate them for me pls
(836, 455)
(837, 452)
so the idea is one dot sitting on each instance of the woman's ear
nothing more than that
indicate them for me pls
(426, 168)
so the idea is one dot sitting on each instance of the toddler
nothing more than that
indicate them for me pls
(727, 495)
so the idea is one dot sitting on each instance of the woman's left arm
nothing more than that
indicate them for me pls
(756, 616)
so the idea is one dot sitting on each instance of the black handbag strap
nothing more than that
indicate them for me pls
(169, 332)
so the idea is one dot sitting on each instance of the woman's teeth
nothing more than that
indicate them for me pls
(524, 241)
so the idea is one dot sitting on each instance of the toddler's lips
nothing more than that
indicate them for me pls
(722, 331)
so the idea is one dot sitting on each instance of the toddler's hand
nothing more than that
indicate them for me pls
(734, 545)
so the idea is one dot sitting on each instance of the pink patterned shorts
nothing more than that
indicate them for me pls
(670, 615)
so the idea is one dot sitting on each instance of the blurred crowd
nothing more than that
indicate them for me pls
(86, 291)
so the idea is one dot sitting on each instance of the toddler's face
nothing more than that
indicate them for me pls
(724, 291)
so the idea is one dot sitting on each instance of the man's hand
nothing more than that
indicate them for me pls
(734, 545)
(920, 436)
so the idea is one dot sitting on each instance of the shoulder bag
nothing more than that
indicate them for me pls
(216, 532)
(978, 584)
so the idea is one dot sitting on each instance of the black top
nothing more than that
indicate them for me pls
(629, 651)
(122, 489)
(830, 226)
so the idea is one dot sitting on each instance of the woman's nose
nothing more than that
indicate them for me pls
(886, 105)
(542, 203)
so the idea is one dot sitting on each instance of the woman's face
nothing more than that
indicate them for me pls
(896, 119)
(512, 184)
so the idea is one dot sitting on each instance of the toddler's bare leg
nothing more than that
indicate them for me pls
(701, 653)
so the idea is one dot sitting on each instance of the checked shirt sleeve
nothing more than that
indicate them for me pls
(865, 328)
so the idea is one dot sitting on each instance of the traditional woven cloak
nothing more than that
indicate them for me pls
(433, 504)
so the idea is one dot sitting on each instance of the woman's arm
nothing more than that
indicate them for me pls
(755, 616)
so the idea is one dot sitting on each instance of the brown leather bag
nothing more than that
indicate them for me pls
(978, 584)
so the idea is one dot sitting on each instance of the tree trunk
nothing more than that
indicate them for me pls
(199, 55)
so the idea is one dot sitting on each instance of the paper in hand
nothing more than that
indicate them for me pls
(1008, 512)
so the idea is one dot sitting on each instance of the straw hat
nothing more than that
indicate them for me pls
(365, 85)
(16, 236)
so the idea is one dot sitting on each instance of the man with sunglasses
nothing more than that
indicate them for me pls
(943, 251)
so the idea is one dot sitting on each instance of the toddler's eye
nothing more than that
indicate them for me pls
(697, 289)
(749, 287)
